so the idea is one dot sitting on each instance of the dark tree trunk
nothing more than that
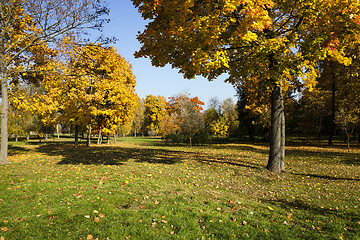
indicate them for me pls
(332, 121)
(252, 133)
(76, 144)
(276, 161)
(319, 128)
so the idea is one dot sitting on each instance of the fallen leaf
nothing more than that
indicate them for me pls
(4, 229)
(101, 215)
(96, 219)
(89, 237)
(270, 208)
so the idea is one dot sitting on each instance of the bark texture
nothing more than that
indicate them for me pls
(276, 161)
(4, 108)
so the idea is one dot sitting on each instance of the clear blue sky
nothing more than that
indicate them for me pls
(125, 24)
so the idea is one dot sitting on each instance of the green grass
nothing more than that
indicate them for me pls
(140, 189)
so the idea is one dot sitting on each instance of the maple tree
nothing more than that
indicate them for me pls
(97, 88)
(27, 27)
(269, 42)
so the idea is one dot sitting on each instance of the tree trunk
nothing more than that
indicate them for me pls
(4, 109)
(319, 129)
(115, 135)
(99, 141)
(276, 161)
(108, 138)
(76, 144)
(88, 139)
(58, 130)
(16, 138)
(252, 133)
(332, 123)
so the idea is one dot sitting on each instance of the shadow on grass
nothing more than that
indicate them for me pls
(205, 158)
(116, 155)
(312, 209)
(247, 148)
(14, 150)
(325, 177)
(331, 157)
(108, 155)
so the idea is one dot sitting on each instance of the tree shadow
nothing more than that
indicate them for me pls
(350, 158)
(15, 150)
(241, 147)
(221, 159)
(108, 155)
(312, 209)
(325, 177)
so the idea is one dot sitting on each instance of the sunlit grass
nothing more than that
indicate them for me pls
(141, 189)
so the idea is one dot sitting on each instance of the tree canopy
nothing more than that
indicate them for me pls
(271, 45)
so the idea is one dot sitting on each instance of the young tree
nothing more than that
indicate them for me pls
(28, 24)
(270, 42)
(184, 116)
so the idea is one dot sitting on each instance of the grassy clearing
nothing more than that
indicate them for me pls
(139, 189)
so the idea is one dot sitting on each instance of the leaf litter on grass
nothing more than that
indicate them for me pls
(216, 192)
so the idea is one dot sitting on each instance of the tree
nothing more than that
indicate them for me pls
(347, 120)
(230, 114)
(221, 119)
(26, 25)
(138, 118)
(154, 112)
(96, 87)
(266, 42)
(184, 116)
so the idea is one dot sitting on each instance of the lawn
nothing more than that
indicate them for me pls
(141, 189)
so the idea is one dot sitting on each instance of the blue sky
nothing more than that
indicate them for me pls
(125, 24)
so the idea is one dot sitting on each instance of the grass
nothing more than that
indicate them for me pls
(140, 189)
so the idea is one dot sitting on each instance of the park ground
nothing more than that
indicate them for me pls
(139, 188)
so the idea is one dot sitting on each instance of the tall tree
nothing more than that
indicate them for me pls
(267, 41)
(97, 86)
(26, 24)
